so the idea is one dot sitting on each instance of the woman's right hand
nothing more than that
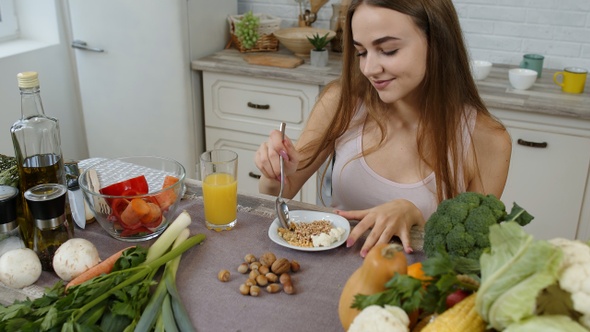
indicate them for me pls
(267, 156)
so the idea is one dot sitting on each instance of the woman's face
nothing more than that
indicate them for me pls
(392, 51)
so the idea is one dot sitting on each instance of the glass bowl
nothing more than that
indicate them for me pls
(133, 198)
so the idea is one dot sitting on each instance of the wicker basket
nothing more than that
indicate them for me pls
(267, 42)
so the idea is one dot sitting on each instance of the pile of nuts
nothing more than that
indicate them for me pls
(266, 272)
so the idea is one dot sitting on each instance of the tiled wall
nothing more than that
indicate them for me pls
(496, 30)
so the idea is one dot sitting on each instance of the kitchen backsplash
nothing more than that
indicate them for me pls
(500, 31)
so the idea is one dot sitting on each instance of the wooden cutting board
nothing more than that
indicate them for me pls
(273, 60)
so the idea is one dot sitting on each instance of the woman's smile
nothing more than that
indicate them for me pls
(381, 84)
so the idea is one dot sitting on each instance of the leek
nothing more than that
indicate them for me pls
(165, 304)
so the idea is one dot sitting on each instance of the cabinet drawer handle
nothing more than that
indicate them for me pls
(258, 106)
(532, 144)
(254, 175)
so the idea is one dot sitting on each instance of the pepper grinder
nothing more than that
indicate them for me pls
(47, 203)
(10, 237)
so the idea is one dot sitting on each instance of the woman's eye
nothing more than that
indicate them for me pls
(361, 54)
(389, 52)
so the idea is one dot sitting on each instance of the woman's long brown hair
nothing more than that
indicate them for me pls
(447, 89)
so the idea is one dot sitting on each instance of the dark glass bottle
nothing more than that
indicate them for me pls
(37, 148)
(47, 204)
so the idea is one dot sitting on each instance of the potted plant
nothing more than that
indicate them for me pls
(319, 52)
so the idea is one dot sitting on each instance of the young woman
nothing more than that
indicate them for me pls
(404, 123)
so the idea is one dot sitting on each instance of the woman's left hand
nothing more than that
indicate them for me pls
(394, 218)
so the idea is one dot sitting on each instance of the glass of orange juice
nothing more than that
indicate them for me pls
(219, 173)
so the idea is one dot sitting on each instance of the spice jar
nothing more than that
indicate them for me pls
(10, 237)
(47, 203)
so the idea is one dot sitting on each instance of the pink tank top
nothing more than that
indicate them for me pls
(355, 186)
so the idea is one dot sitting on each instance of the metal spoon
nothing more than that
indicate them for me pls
(282, 208)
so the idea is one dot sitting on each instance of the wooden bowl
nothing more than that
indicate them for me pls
(295, 39)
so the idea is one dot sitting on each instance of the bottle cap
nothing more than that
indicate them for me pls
(8, 197)
(28, 79)
(47, 203)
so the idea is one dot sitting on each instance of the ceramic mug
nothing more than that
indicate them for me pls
(534, 62)
(573, 79)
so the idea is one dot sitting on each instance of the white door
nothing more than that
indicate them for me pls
(135, 80)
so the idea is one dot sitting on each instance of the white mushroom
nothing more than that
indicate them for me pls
(20, 268)
(74, 257)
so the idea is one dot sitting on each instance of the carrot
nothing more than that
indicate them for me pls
(135, 212)
(153, 215)
(103, 267)
(168, 197)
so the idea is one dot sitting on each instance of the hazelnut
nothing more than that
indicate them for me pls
(285, 278)
(249, 258)
(254, 290)
(254, 274)
(295, 266)
(271, 277)
(273, 288)
(268, 258)
(288, 288)
(223, 275)
(261, 280)
(243, 268)
(244, 289)
(263, 269)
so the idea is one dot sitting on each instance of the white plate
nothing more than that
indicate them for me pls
(309, 216)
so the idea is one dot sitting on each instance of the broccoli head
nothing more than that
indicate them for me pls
(496, 206)
(461, 225)
(459, 241)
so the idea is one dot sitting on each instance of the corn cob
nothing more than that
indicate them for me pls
(462, 317)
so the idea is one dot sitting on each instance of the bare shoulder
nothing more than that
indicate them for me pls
(491, 136)
(323, 111)
(328, 100)
(493, 147)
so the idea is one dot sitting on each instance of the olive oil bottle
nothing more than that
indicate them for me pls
(37, 148)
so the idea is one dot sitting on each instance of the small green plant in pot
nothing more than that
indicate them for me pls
(319, 43)
(319, 53)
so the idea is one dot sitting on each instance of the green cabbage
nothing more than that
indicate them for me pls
(513, 273)
(555, 323)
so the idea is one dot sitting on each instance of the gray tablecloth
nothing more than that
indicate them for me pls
(218, 306)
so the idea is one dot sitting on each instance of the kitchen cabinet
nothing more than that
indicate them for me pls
(241, 111)
(549, 172)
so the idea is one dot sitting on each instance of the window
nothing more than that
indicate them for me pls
(8, 22)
